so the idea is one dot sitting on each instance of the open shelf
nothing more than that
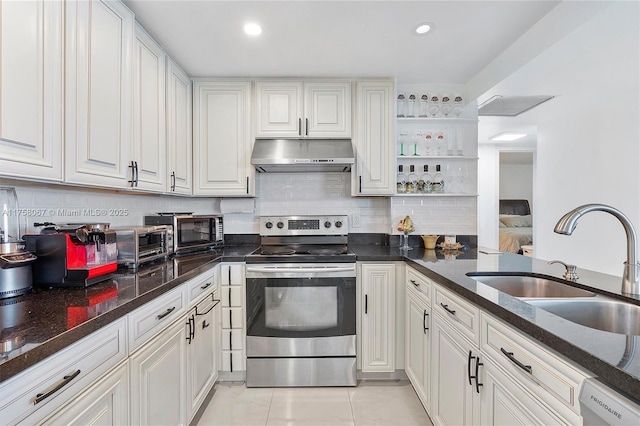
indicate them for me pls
(453, 120)
(446, 194)
(435, 157)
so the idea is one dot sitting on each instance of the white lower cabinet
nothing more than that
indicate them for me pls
(104, 403)
(158, 382)
(202, 352)
(377, 301)
(455, 398)
(232, 321)
(506, 403)
(418, 344)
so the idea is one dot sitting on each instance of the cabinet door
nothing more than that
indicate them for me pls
(279, 109)
(327, 110)
(506, 403)
(179, 128)
(149, 144)
(454, 401)
(202, 352)
(158, 379)
(378, 317)
(104, 403)
(31, 90)
(98, 103)
(374, 173)
(222, 139)
(418, 345)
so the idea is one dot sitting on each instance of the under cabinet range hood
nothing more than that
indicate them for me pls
(302, 155)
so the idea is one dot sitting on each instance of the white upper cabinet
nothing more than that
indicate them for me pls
(311, 109)
(31, 93)
(222, 139)
(374, 139)
(179, 130)
(149, 143)
(98, 116)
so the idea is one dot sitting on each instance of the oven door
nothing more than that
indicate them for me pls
(301, 309)
(152, 243)
(192, 232)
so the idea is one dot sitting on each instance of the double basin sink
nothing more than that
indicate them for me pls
(571, 303)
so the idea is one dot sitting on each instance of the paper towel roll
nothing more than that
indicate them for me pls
(238, 205)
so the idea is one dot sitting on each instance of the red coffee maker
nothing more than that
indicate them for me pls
(72, 255)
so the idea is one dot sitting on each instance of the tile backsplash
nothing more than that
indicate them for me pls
(277, 194)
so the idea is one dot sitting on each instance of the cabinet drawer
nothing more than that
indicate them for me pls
(231, 296)
(232, 318)
(148, 320)
(200, 285)
(462, 315)
(543, 373)
(419, 283)
(48, 385)
(232, 339)
(232, 361)
(232, 274)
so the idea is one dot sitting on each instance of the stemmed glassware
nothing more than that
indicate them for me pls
(434, 107)
(446, 106)
(400, 105)
(458, 105)
(411, 103)
(403, 139)
(417, 140)
(424, 102)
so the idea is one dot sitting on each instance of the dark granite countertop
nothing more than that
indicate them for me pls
(38, 324)
(46, 321)
(604, 354)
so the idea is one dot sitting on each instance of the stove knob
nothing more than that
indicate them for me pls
(338, 224)
(327, 224)
(269, 225)
(280, 225)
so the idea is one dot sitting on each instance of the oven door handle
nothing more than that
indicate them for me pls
(276, 269)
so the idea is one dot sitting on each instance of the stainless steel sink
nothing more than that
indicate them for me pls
(529, 286)
(600, 313)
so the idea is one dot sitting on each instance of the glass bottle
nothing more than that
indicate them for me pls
(426, 181)
(401, 181)
(412, 180)
(438, 181)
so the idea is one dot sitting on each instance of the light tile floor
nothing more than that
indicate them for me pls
(391, 403)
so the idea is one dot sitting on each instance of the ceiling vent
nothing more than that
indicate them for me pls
(510, 106)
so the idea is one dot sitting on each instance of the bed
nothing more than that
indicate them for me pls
(515, 225)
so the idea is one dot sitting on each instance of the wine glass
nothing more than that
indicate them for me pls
(411, 103)
(434, 107)
(462, 174)
(417, 139)
(400, 105)
(403, 139)
(428, 143)
(446, 106)
(458, 105)
(424, 101)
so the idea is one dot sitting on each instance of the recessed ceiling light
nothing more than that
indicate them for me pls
(253, 29)
(507, 136)
(423, 28)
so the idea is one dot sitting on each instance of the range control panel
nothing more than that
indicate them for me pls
(303, 225)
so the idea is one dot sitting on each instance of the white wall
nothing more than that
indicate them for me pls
(588, 137)
(516, 182)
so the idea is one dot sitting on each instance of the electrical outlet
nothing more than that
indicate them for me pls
(355, 220)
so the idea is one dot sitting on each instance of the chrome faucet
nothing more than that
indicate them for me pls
(630, 277)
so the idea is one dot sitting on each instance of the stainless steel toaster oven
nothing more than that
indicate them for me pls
(191, 232)
(142, 244)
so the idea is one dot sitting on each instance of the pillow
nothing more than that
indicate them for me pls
(512, 221)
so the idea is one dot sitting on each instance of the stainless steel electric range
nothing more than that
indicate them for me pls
(301, 304)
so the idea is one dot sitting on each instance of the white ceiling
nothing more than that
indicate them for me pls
(338, 38)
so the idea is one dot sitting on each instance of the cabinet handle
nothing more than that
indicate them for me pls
(414, 283)
(247, 184)
(167, 312)
(208, 310)
(204, 324)
(477, 377)
(189, 333)
(229, 296)
(360, 184)
(306, 127)
(424, 321)
(65, 381)
(513, 359)
(366, 303)
(446, 308)
(205, 286)
(231, 362)
(230, 319)
(173, 181)
(135, 168)
(133, 175)
(469, 366)
(299, 126)
(229, 275)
